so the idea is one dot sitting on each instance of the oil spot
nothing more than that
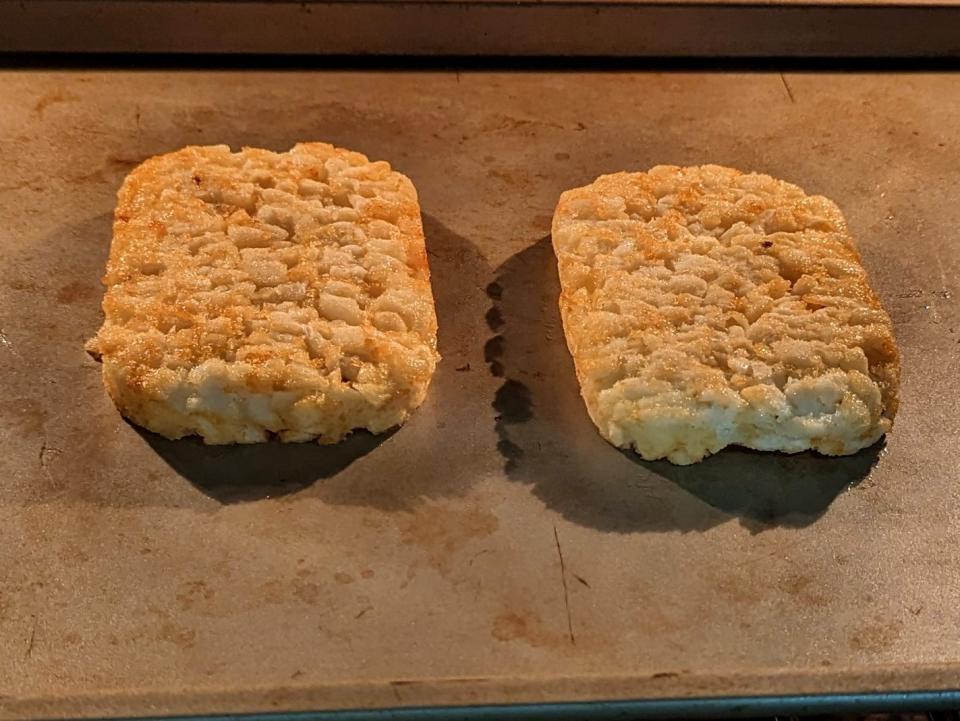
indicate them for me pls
(341, 577)
(72, 639)
(308, 593)
(21, 284)
(804, 590)
(367, 573)
(741, 588)
(659, 619)
(156, 611)
(182, 637)
(273, 592)
(525, 626)
(192, 592)
(123, 162)
(74, 555)
(876, 636)
(442, 530)
(501, 121)
(24, 414)
(57, 96)
(75, 291)
(561, 156)
(516, 178)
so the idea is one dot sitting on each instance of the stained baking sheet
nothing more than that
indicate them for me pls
(495, 549)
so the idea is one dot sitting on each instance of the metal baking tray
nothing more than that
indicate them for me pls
(607, 28)
(493, 551)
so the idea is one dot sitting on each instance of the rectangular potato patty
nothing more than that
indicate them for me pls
(255, 293)
(705, 307)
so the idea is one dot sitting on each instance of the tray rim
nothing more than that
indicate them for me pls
(888, 688)
(497, 28)
(667, 708)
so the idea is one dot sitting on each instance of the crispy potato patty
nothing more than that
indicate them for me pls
(255, 293)
(706, 307)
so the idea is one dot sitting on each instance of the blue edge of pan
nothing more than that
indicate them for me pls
(700, 708)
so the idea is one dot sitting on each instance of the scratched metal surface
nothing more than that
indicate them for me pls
(494, 549)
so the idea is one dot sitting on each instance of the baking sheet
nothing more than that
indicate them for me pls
(495, 549)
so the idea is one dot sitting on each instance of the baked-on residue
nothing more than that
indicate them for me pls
(706, 307)
(256, 293)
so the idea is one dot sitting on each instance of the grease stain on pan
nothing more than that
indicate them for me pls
(876, 636)
(307, 592)
(25, 414)
(805, 590)
(742, 588)
(442, 530)
(748, 586)
(280, 592)
(193, 592)
(74, 292)
(526, 625)
(54, 97)
(21, 284)
(182, 637)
